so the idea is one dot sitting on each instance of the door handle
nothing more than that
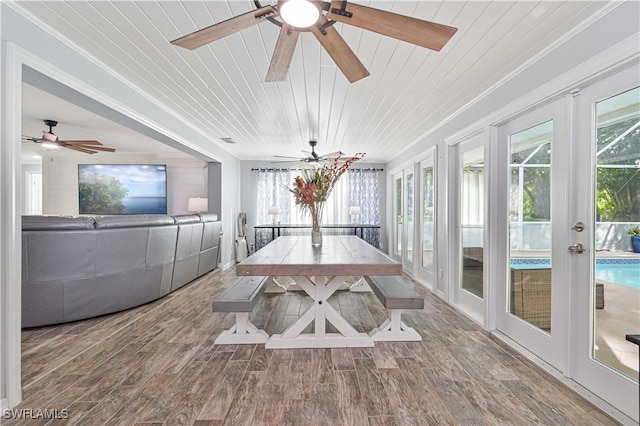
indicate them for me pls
(578, 227)
(576, 248)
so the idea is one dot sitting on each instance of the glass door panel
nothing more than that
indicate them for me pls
(529, 207)
(426, 258)
(615, 269)
(472, 206)
(397, 217)
(428, 217)
(409, 220)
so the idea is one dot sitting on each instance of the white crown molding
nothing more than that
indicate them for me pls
(57, 74)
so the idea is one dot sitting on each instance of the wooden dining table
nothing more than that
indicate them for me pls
(319, 271)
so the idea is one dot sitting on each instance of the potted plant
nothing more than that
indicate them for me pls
(635, 238)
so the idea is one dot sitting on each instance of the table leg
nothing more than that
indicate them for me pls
(320, 289)
(320, 303)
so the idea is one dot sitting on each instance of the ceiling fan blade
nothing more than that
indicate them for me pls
(339, 51)
(282, 54)
(332, 155)
(80, 142)
(286, 161)
(77, 148)
(416, 31)
(286, 156)
(96, 148)
(222, 29)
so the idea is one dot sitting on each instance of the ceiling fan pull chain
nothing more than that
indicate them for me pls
(342, 11)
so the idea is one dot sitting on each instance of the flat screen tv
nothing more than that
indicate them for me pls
(122, 188)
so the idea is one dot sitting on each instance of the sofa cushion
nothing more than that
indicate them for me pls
(183, 219)
(210, 235)
(33, 223)
(121, 250)
(59, 255)
(208, 217)
(131, 221)
(161, 246)
(189, 240)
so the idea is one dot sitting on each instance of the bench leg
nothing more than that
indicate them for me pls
(243, 332)
(360, 286)
(394, 330)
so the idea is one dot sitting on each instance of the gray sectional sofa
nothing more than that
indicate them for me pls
(81, 267)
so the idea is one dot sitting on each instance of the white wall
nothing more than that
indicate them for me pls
(185, 178)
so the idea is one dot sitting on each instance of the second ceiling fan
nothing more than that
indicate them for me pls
(319, 17)
(49, 140)
(311, 157)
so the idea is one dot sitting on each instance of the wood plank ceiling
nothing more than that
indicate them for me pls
(220, 87)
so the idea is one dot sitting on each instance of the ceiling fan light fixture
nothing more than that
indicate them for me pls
(47, 144)
(299, 13)
(49, 137)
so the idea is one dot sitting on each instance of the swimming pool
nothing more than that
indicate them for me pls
(621, 271)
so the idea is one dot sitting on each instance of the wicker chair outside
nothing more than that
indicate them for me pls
(531, 296)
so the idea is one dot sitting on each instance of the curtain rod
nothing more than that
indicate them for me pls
(270, 169)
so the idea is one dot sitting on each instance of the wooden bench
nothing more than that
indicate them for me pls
(240, 299)
(396, 294)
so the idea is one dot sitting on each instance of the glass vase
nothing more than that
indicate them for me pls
(316, 230)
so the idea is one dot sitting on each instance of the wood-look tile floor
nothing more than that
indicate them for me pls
(157, 364)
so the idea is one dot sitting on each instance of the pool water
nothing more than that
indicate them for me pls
(625, 272)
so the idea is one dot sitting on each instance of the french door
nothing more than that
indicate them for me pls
(397, 228)
(467, 175)
(567, 192)
(409, 230)
(533, 274)
(426, 212)
(605, 198)
(403, 238)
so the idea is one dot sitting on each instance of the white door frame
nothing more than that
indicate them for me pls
(408, 238)
(11, 224)
(549, 346)
(609, 385)
(394, 175)
(427, 277)
(471, 305)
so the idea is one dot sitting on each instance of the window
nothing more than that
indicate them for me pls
(357, 187)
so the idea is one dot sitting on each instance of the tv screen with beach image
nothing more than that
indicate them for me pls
(109, 189)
